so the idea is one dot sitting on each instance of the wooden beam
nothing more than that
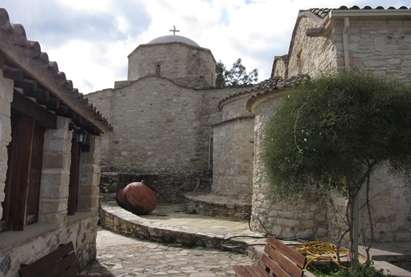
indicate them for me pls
(12, 73)
(33, 110)
(28, 86)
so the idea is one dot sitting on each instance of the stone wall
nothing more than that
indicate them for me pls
(304, 217)
(38, 240)
(390, 195)
(54, 226)
(186, 65)
(162, 130)
(324, 217)
(233, 150)
(311, 55)
(379, 46)
(235, 107)
(233, 158)
(280, 69)
(6, 96)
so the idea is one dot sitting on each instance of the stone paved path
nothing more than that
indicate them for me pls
(121, 256)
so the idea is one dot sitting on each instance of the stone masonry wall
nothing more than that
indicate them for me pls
(390, 196)
(103, 101)
(311, 55)
(161, 130)
(379, 46)
(186, 65)
(233, 150)
(233, 158)
(288, 219)
(55, 226)
(40, 239)
(280, 69)
(6, 96)
(235, 107)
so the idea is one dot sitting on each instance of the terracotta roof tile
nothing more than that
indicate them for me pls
(273, 85)
(323, 12)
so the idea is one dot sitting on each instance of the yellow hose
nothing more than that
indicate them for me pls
(316, 251)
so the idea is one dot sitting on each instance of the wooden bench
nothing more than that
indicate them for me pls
(278, 259)
(60, 263)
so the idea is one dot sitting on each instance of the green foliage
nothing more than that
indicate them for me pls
(236, 76)
(331, 131)
(335, 271)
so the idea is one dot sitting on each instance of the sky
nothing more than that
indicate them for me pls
(91, 39)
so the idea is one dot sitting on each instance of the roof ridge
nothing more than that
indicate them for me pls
(324, 12)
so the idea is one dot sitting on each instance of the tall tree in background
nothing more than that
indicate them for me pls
(236, 76)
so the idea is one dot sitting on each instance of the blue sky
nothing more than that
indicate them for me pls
(90, 39)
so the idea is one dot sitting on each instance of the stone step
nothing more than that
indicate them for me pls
(210, 204)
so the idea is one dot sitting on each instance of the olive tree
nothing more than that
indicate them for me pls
(333, 131)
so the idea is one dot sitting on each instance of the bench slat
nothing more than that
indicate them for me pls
(283, 261)
(241, 270)
(249, 271)
(274, 267)
(287, 251)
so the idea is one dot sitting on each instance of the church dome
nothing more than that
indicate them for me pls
(174, 38)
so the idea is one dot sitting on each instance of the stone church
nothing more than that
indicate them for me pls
(172, 127)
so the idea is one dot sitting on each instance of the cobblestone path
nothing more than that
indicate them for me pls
(121, 256)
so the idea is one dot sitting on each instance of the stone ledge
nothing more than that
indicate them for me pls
(123, 222)
(11, 239)
(217, 205)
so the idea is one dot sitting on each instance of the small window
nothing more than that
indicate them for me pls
(158, 69)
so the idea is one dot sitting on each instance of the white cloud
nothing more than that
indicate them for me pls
(255, 30)
(88, 5)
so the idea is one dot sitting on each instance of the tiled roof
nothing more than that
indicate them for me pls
(265, 86)
(273, 85)
(27, 54)
(323, 12)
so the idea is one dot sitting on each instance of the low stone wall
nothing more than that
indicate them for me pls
(217, 206)
(40, 239)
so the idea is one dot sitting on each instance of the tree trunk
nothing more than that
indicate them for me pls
(355, 217)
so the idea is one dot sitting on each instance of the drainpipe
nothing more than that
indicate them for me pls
(346, 43)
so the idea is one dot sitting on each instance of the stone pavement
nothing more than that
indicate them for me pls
(121, 256)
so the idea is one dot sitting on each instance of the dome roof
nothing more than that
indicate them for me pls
(172, 38)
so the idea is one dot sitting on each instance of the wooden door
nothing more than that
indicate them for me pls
(35, 175)
(18, 171)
